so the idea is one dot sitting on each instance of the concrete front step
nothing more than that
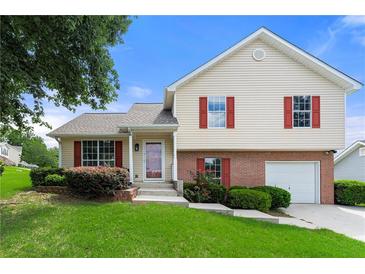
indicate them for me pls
(154, 185)
(175, 200)
(157, 191)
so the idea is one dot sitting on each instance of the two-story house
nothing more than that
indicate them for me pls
(262, 112)
(10, 154)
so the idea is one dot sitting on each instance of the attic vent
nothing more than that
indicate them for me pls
(258, 54)
(362, 152)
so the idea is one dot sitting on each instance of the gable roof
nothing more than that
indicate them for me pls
(349, 150)
(102, 124)
(348, 83)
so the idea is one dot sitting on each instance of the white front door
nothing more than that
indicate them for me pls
(301, 179)
(154, 160)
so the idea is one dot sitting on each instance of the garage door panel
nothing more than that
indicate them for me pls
(299, 178)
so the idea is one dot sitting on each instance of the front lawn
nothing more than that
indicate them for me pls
(50, 228)
(13, 180)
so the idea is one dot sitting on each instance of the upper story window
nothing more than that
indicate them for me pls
(98, 153)
(217, 111)
(213, 167)
(302, 111)
(4, 151)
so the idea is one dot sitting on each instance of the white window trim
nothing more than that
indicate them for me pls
(310, 111)
(163, 155)
(82, 150)
(220, 178)
(225, 111)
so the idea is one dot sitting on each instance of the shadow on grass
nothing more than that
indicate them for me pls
(21, 218)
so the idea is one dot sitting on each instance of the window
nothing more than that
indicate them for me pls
(362, 152)
(4, 151)
(98, 153)
(302, 111)
(213, 167)
(217, 111)
(106, 153)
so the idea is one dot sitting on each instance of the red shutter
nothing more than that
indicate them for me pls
(118, 153)
(288, 112)
(226, 172)
(203, 112)
(200, 165)
(230, 112)
(77, 153)
(316, 112)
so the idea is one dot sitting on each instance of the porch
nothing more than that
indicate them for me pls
(152, 156)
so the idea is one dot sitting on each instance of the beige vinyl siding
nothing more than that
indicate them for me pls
(259, 89)
(68, 150)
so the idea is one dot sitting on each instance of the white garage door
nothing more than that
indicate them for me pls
(301, 179)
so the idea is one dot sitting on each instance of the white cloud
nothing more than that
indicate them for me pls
(355, 25)
(354, 21)
(56, 117)
(138, 92)
(355, 129)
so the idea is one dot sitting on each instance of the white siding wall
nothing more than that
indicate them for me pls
(351, 168)
(259, 89)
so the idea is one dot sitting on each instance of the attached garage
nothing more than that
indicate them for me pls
(300, 178)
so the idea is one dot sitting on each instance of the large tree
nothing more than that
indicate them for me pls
(62, 59)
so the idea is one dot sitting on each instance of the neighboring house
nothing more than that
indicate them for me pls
(350, 163)
(262, 112)
(10, 154)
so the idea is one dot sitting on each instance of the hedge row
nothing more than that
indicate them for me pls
(261, 198)
(349, 192)
(91, 181)
(38, 175)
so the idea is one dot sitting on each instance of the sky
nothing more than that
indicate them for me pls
(158, 50)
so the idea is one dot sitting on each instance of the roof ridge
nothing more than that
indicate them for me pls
(103, 113)
(139, 103)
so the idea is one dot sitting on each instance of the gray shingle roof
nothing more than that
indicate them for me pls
(110, 123)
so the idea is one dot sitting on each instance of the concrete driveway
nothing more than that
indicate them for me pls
(346, 220)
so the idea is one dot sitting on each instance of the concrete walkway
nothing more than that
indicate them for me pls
(341, 219)
(218, 208)
(255, 214)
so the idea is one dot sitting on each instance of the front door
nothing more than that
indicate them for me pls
(154, 160)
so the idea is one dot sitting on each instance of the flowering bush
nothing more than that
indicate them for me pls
(96, 181)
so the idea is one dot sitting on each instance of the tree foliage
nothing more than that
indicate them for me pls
(34, 149)
(62, 59)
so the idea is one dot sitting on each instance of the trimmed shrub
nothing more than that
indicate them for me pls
(54, 180)
(204, 193)
(38, 175)
(217, 193)
(238, 187)
(249, 199)
(349, 192)
(96, 181)
(279, 197)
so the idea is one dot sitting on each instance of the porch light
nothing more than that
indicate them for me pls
(136, 147)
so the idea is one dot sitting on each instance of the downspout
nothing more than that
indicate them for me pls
(59, 151)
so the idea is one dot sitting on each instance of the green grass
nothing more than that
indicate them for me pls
(13, 180)
(85, 229)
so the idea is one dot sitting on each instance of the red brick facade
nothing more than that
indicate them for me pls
(248, 167)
